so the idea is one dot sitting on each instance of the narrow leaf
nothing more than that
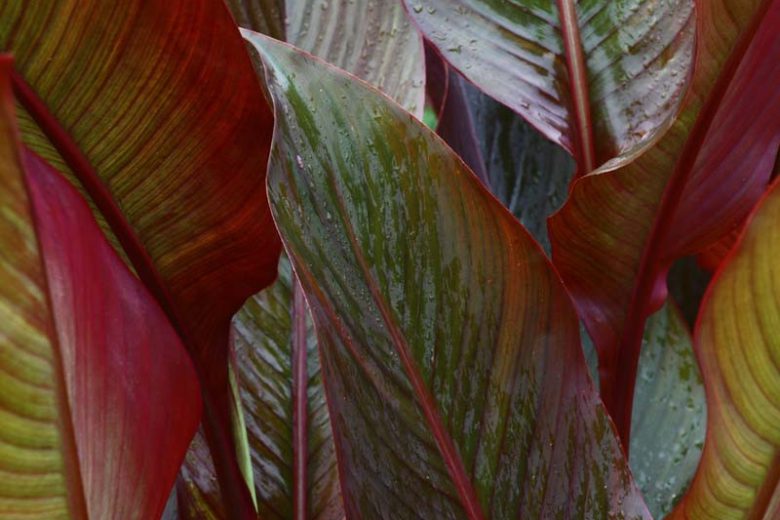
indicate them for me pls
(286, 430)
(738, 348)
(129, 97)
(622, 228)
(455, 381)
(98, 398)
(597, 77)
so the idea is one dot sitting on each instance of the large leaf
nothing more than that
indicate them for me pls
(530, 175)
(456, 384)
(595, 76)
(621, 229)
(98, 398)
(268, 335)
(129, 96)
(738, 348)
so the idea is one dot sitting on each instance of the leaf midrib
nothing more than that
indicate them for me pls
(426, 401)
(143, 264)
(578, 85)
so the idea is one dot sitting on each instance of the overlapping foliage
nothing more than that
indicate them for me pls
(413, 352)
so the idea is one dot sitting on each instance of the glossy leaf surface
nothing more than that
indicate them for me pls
(596, 76)
(738, 348)
(621, 229)
(527, 173)
(98, 398)
(372, 39)
(669, 412)
(454, 390)
(267, 332)
(130, 97)
(530, 176)
(264, 341)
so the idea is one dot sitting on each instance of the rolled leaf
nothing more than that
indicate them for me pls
(597, 77)
(622, 227)
(455, 381)
(129, 96)
(738, 348)
(98, 398)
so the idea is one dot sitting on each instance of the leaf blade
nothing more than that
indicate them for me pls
(373, 40)
(108, 447)
(738, 347)
(329, 203)
(622, 227)
(635, 55)
(130, 102)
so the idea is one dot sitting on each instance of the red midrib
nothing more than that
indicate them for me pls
(241, 506)
(619, 396)
(444, 443)
(585, 149)
(300, 403)
(100, 195)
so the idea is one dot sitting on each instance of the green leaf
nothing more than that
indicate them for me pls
(597, 77)
(738, 348)
(371, 39)
(450, 351)
(669, 412)
(267, 332)
(264, 343)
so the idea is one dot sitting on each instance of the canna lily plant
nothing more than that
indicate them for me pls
(389, 259)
